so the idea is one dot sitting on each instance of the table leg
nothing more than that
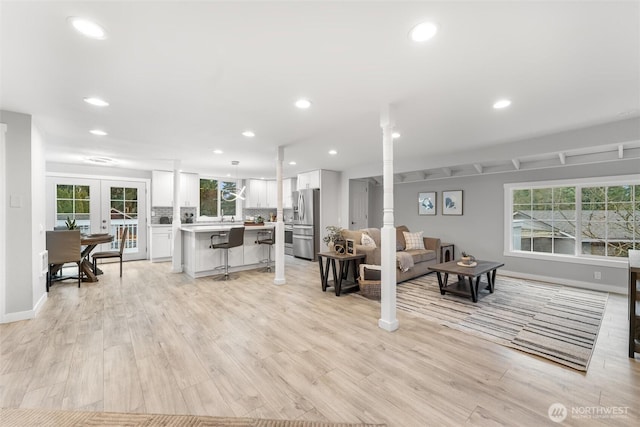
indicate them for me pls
(338, 279)
(324, 273)
(87, 269)
(335, 274)
(440, 283)
(472, 288)
(492, 281)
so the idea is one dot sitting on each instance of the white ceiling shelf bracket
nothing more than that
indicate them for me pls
(516, 163)
(621, 151)
(478, 167)
(563, 158)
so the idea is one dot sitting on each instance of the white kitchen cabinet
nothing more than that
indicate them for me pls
(189, 190)
(161, 188)
(256, 194)
(272, 194)
(309, 179)
(287, 202)
(161, 243)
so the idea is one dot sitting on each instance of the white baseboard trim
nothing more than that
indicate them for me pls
(27, 314)
(603, 287)
(40, 304)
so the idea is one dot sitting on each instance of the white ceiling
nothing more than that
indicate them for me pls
(185, 78)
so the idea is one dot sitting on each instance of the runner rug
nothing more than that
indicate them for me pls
(43, 417)
(556, 322)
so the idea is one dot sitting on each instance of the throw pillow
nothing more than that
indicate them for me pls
(368, 241)
(413, 240)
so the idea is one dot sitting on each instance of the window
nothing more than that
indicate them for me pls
(72, 203)
(214, 200)
(583, 219)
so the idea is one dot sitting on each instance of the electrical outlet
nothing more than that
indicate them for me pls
(597, 275)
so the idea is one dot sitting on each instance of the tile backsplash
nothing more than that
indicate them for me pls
(264, 213)
(168, 212)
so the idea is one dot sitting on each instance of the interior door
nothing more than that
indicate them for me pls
(124, 206)
(358, 204)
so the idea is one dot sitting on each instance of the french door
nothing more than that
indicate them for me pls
(101, 206)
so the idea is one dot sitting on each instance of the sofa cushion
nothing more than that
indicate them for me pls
(400, 243)
(413, 240)
(421, 255)
(356, 235)
(367, 240)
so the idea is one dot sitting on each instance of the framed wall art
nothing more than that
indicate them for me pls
(427, 203)
(452, 202)
(351, 246)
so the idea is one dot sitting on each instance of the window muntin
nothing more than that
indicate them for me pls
(72, 202)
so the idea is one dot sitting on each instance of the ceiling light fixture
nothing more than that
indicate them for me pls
(423, 32)
(98, 132)
(292, 163)
(100, 160)
(218, 151)
(88, 28)
(303, 104)
(98, 102)
(395, 135)
(333, 152)
(502, 103)
(248, 134)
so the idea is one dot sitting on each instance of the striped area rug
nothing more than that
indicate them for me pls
(13, 417)
(552, 321)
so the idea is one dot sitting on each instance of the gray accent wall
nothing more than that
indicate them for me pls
(480, 230)
(19, 287)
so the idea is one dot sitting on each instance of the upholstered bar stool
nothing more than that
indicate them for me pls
(235, 238)
(267, 237)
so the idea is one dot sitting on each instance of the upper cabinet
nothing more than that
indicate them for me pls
(161, 188)
(256, 194)
(309, 180)
(189, 190)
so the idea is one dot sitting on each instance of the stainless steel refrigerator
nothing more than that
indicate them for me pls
(306, 224)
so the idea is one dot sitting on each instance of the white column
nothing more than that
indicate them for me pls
(176, 234)
(388, 319)
(279, 278)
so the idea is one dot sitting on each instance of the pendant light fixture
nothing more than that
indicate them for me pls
(230, 196)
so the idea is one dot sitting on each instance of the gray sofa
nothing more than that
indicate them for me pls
(422, 258)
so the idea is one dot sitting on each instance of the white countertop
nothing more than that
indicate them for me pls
(207, 228)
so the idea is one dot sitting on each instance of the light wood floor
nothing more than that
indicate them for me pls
(159, 342)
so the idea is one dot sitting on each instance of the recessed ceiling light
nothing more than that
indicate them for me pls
(262, 177)
(333, 152)
(228, 174)
(423, 32)
(502, 103)
(248, 134)
(88, 28)
(218, 151)
(303, 104)
(395, 135)
(292, 163)
(98, 132)
(100, 160)
(98, 102)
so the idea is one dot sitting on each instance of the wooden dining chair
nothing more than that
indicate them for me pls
(63, 246)
(111, 254)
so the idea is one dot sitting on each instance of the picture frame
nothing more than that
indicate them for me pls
(427, 203)
(351, 246)
(452, 202)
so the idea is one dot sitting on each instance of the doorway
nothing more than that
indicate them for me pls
(101, 206)
(358, 204)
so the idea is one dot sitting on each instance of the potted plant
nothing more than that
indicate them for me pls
(334, 234)
(71, 224)
(467, 259)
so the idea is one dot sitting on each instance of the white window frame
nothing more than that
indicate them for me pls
(238, 182)
(578, 183)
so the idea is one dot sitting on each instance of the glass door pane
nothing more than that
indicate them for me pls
(124, 207)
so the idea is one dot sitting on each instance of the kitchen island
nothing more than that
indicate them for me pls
(199, 260)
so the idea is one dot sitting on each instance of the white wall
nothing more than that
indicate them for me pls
(69, 169)
(480, 230)
(19, 289)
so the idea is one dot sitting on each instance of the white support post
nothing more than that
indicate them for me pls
(279, 277)
(176, 234)
(388, 319)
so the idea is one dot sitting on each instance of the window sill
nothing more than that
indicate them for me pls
(598, 261)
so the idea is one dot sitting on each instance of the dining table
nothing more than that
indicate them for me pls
(90, 241)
